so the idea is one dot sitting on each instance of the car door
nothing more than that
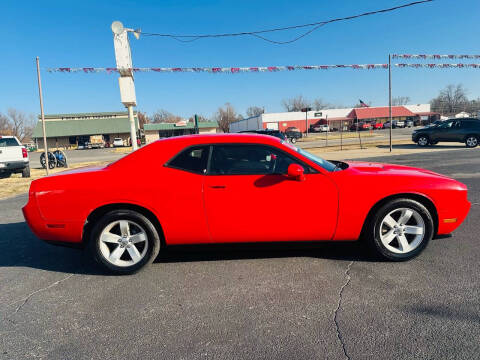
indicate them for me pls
(182, 179)
(441, 132)
(454, 132)
(248, 197)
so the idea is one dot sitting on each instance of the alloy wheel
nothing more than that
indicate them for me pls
(472, 141)
(123, 243)
(423, 141)
(402, 230)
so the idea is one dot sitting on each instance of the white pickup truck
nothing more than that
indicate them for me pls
(13, 157)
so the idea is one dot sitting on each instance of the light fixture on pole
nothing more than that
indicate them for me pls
(123, 57)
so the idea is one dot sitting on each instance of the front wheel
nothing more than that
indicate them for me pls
(471, 141)
(124, 241)
(400, 229)
(422, 141)
(293, 140)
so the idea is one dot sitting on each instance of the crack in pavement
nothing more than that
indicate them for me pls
(29, 296)
(335, 314)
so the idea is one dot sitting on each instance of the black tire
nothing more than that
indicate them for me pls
(293, 140)
(152, 239)
(5, 175)
(26, 172)
(373, 228)
(471, 141)
(423, 141)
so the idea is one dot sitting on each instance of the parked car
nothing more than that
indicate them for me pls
(293, 134)
(13, 157)
(465, 130)
(376, 125)
(386, 125)
(275, 133)
(360, 126)
(409, 123)
(320, 128)
(232, 186)
(400, 124)
(117, 142)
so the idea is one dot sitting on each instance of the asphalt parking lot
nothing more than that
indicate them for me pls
(325, 301)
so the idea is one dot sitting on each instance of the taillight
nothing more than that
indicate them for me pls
(24, 152)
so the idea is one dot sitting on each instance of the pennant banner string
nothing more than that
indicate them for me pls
(233, 70)
(433, 56)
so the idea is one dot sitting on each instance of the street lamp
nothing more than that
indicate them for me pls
(306, 110)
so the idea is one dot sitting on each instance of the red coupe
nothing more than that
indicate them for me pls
(229, 188)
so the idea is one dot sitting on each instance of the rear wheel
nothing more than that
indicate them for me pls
(5, 175)
(124, 241)
(471, 141)
(422, 141)
(293, 140)
(26, 172)
(400, 229)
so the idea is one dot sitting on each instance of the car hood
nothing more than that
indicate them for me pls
(390, 169)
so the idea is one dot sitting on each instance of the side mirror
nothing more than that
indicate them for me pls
(296, 172)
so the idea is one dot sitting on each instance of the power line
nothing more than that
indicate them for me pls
(315, 25)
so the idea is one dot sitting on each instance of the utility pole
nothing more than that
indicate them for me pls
(123, 57)
(390, 98)
(42, 114)
(306, 110)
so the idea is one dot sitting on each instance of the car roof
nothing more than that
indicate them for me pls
(223, 138)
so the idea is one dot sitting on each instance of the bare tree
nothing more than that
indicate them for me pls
(164, 116)
(5, 126)
(400, 100)
(295, 104)
(225, 116)
(451, 100)
(200, 118)
(17, 123)
(319, 104)
(142, 119)
(254, 111)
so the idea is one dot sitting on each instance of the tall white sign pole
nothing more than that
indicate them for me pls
(42, 114)
(123, 57)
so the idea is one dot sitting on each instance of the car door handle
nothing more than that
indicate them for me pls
(218, 186)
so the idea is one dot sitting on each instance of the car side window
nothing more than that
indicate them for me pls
(192, 159)
(249, 160)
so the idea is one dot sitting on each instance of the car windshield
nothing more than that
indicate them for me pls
(327, 165)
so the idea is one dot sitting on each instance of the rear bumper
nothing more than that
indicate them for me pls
(66, 233)
(13, 165)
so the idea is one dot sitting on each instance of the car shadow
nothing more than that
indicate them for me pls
(24, 249)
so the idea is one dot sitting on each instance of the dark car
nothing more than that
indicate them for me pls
(269, 132)
(292, 133)
(466, 130)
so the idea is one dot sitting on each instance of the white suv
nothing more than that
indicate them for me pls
(13, 157)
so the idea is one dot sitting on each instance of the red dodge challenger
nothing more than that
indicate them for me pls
(228, 189)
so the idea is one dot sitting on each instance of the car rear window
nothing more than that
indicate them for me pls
(193, 159)
(5, 142)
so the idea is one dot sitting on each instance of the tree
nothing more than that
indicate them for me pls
(318, 104)
(400, 100)
(295, 104)
(164, 116)
(142, 119)
(200, 118)
(225, 116)
(451, 100)
(254, 111)
(17, 123)
(5, 126)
